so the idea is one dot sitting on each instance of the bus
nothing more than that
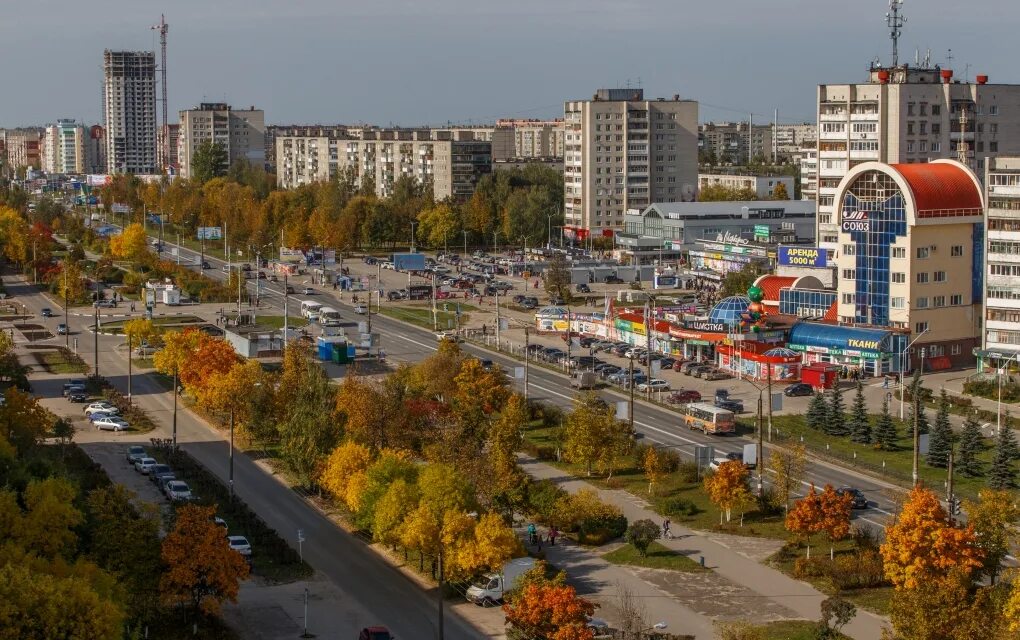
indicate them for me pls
(310, 309)
(329, 317)
(707, 418)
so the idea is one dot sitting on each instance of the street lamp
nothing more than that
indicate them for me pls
(903, 365)
(998, 408)
(917, 409)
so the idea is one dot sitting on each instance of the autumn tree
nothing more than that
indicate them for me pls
(344, 473)
(308, 433)
(940, 442)
(209, 161)
(921, 546)
(365, 411)
(946, 608)
(178, 350)
(240, 391)
(860, 424)
(23, 420)
(211, 356)
(551, 611)
(727, 487)
(392, 509)
(656, 467)
(483, 546)
(71, 281)
(995, 517)
(593, 433)
(885, 429)
(506, 435)
(779, 192)
(139, 330)
(478, 391)
(972, 443)
(202, 570)
(640, 535)
(804, 519)
(827, 512)
(130, 244)
(787, 466)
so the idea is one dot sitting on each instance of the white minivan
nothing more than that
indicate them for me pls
(310, 310)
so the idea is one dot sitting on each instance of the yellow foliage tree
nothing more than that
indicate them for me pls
(656, 467)
(420, 531)
(489, 546)
(13, 235)
(922, 546)
(140, 330)
(130, 244)
(478, 388)
(593, 434)
(505, 436)
(202, 570)
(727, 487)
(994, 517)
(400, 499)
(178, 349)
(344, 473)
(234, 390)
(47, 526)
(23, 420)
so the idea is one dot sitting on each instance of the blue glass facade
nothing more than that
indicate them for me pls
(729, 310)
(805, 303)
(877, 225)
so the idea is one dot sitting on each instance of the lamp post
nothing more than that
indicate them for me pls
(998, 407)
(175, 407)
(903, 365)
(413, 225)
(231, 454)
(917, 406)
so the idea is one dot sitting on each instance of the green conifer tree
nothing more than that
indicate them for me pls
(940, 442)
(860, 425)
(835, 421)
(971, 445)
(885, 429)
(817, 413)
(1003, 474)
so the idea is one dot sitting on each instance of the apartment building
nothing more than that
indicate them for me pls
(534, 138)
(624, 152)
(240, 132)
(303, 160)
(735, 142)
(23, 147)
(95, 150)
(1000, 335)
(808, 163)
(764, 186)
(167, 142)
(789, 139)
(908, 115)
(334, 131)
(129, 111)
(63, 147)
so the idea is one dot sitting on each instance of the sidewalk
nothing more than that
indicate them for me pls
(745, 583)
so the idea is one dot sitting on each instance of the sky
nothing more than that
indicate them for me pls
(404, 62)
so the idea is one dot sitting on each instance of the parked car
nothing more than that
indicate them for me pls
(146, 350)
(716, 374)
(375, 633)
(103, 407)
(98, 415)
(699, 372)
(448, 335)
(655, 384)
(206, 265)
(799, 389)
(142, 465)
(360, 309)
(859, 501)
(240, 545)
(157, 471)
(612, 280)
(666, 364)
(308, 291)
(583, 288)
(134, 453)
(78, 396)
(74, 385)
(518, 299)
(61, 329)
(688, 367)
(112, 423)
(586, 341)
(105, 304)
(178, 491)
(684, 396)
(46, 312)
(164, 480)
(735, 406)
(609, 370)
(739, 457)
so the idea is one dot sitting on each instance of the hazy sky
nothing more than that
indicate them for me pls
(418, 62)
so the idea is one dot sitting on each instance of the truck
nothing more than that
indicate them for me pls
(583, 380)
(489, 589)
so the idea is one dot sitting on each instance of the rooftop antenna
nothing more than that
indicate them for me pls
(949, 59)
(163, 27)
(927, 59)
(895, 22)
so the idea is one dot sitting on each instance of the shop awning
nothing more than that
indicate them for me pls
(840, 339)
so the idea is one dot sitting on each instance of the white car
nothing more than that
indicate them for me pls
(308, 291)
(240, 545)
(144, 465)
(178, 491)
(135, 453)
(103, 407)
(360, 309)
(389, 265)
(112, 423)
(448, 335)
(655, 384)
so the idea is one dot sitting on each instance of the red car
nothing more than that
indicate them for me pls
(684, 396)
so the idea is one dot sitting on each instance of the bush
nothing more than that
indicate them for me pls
(542, 498)
(676, 507)
(859, 570)
(541, 452)
(640, 534)
(990, 389)
(595, 521)
(687, 472)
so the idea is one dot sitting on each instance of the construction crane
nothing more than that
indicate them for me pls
(163, 27)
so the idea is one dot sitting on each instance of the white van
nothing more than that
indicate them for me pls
(310, 310)
(329, 317)
(490, 588)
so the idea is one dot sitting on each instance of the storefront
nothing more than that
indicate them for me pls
(755, 360)
(696, 339)
(867, 352)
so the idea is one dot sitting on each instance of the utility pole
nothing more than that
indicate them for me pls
(175, 407)
(761, 444)
(231, 453)
(527, 359)
(497, 319)
(630, 409)
(435, 312)
(949, 487)
(569, 340)
(769, 369)
(648, 347)
(286, 320)
(67, 327)
(95, 336)
(439, 591)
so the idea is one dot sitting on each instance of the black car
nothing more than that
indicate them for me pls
(731, 405)
(47, 312)
(206, 265)
(859, 501)
(583, 288)
(519, 299)
(587, 341)
(799, 389)
(612, 280)
(78, 396)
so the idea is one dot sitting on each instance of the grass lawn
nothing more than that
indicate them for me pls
(276, 322)
(60, 361)
(794, 630)
(658, 557)
(117, 326)
(896, 465)
(422, 317)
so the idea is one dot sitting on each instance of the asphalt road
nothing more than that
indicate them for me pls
(652, 423)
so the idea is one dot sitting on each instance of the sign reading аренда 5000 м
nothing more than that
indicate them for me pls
(802, 257)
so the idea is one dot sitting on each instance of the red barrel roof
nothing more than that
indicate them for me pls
(941, 189)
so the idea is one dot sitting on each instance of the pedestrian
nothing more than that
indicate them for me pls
(665, 529)
(132, 307)
(532, 533)
(885, 382)
(552, 536)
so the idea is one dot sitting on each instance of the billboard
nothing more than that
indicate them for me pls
(329, 257)
(210, 233)
(117, 207)
(409, 261)
(98, 180)
(291, 255)
(802, 257)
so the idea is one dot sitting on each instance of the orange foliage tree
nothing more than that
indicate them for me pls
(922, 545)
(552, 611)
(827, 512)
(202, 570)
(211, 356)
(727, 487)
(344, 473)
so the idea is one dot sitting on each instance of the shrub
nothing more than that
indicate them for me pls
(542, 498)
(641, 533)
(676, 507)
(687, 472)
(592, 519)
(859, 570)
(539, 451)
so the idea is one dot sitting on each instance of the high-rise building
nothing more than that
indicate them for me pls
(95, 150)
(735, 142)
(64, 147)
(129, 111)
(624, 152)
(304, 159)
(906, 115)
(23, 147)
(789, 139)
(241, 133)
(333, 131)
(1000, 336)
(167, 141)
(533, 138)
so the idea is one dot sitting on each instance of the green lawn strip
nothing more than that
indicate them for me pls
(117, 326)
(62, 361)
(794, 630)
(276, 322)
(898, 464)
(657, 557)
(446, 320)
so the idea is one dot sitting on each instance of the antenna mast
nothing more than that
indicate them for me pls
(895, 22)
(163, 27)
(963, 148)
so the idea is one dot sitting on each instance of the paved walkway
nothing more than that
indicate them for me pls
(745, 584)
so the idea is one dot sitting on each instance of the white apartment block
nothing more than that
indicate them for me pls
(63, 148)
(535, 138)
(735, 142)
(808, 162)
(240, 132)
(789, 139)
(1001, 330)
(303, 160)
(624, 152)
(129, 111)
(906, 115)
(22, 147)
(763, 186)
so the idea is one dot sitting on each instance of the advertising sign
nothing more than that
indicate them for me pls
(210, 233)
(802, 257)
(855, 221)
(761, 231)
(117, 207)
(409, 261)
(705, 326)
(98, 180)
(329, 257)
(291, 255)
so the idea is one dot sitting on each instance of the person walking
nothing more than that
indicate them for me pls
(552, 536)
(532, 533)
(665, 530)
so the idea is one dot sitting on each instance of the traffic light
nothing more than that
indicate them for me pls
(954, 506)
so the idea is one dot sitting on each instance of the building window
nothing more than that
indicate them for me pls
(899, 252)
(956, 300)
(922, 303)
(922, 252)
(849, 274)
(920, 327)
(898, 277)
(954, 350)
(939, 301)
(897, 303)
(848, 249)
(956, 251)
(940, 276)
(936, 146)
(910, 108)
(936, 109)
(993, 110)
(993, 146)
(922, 277)
(848, 298)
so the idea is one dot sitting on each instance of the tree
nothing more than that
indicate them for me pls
(835, 418)
(804, 519)
(736, 283)
(130, 244)
(971, 445)
(344, 473)
(23, 420)
(388, 467)
(641, 533)
(817, 413)
(202, 570)
(437, 225)
(244, 390)
(721, 193)
(940, 442)
(836, 613)
(557, 277)
(922, 546)
(1002, 474)
(400, 499)
(917, 394)
(489, 546)
(779, 192)
(994, 517)
(308, 432)
(71, 281)
(549, 611)
(593, 433)
(885, 429)
(787, 467)
(211, 356)
(727, 487)
(478, 391)
(835, 511)
(860, 424)
(209, 161)
(656, 467)
(504, 438)
(48, 525)
(947, 608)
(140, 330)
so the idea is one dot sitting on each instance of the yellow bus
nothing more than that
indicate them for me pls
(708, 418)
